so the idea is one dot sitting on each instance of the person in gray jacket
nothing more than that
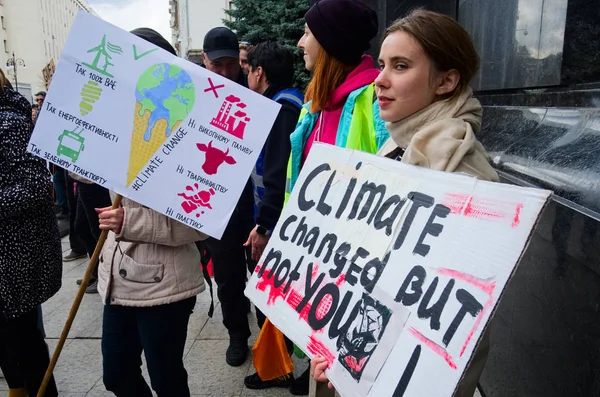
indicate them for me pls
(148, 278)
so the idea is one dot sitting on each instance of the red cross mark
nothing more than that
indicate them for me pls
(214, 87)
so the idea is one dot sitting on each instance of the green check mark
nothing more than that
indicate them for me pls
(136, 56)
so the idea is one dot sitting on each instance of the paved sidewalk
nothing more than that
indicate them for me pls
(79, 369)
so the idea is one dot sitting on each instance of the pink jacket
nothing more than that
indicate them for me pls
(153, 261)
(329, 119)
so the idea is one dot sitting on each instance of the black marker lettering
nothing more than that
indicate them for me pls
(334, 328)
(339, 260)
(347, 195)
(311, 239)
(408, 372)
(315, 322)
(284, 226)
(388, 222)
(323, 207)
(434, 229)
(435, 311)
(276, 255)
(300, 233)
(279, 279)
(303, 203)
(469, 305)
(294, 275)
(310, 287)
(372, 191)
(331, 240)
(415, 279)
(419, 200)
(372, 272)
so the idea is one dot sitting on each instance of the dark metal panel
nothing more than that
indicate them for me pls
(555, 148)
(545, 335)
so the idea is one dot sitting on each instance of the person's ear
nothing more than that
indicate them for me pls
(204, 58)
(448, 82)
(260, 72)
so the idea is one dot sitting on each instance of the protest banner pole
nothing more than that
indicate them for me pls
(319, 389)
(76, 304)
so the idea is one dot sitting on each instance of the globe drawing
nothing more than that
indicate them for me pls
(165, 95)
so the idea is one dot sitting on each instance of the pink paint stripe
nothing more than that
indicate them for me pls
(486, 285)
(517, 218)
(483, 209)
(456, 202)
(437, 349)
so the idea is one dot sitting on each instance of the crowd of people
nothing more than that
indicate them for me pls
(415, 107)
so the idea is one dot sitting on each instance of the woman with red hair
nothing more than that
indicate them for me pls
(341, 110)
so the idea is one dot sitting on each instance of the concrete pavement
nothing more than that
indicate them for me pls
(79, 369)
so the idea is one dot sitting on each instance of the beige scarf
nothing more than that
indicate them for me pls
(442, 137)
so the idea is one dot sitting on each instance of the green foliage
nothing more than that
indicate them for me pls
(276, 20)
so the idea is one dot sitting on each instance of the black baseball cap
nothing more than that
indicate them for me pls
(221, 42)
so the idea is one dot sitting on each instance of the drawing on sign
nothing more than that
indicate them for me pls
(70, 144)
(214, 158)
(165, 95)
(89, 95)
(196, 199)
(231, 118)
(102, 54)
(214, 87)
(143, 54)
(358, 344)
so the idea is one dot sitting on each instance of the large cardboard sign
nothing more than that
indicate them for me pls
(153, 127)
(391, 271)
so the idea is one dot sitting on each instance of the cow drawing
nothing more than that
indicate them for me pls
(214, 158)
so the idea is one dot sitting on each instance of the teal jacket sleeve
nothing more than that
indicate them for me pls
(381, 133)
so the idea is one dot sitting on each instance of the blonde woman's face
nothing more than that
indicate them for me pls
(404, 85)
(244, 61)
(310, 46)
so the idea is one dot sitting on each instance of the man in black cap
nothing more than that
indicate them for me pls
(221, 55)
(231, 260)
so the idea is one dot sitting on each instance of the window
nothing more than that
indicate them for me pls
(5, 47)
(520, 42)
(2, 22)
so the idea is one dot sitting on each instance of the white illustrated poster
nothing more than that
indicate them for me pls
(150, 126)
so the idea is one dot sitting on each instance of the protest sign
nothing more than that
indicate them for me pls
(391, 271)
(150, 126)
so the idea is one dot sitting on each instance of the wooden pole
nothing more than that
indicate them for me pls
(319, 389)
(76, 304)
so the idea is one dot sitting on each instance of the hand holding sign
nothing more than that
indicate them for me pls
(318, 365)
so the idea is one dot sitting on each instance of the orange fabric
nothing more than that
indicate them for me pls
(271, 358)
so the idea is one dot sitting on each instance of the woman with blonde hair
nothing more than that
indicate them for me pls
(427, 60)
(340, 110)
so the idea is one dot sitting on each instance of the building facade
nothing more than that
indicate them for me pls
(191, 20)
(35, 31)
